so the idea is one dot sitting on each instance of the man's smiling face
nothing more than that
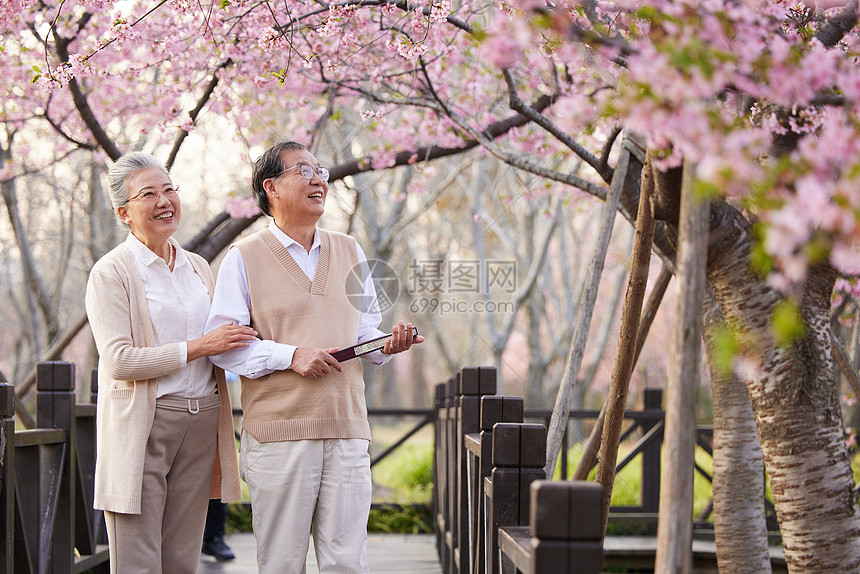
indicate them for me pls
(292, 195)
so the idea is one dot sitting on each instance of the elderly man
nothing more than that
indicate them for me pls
(304, 446)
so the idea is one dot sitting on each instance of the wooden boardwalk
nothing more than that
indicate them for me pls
(416, 554)
(386, 554)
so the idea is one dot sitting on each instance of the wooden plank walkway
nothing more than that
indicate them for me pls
(416, 554)
(386, 554)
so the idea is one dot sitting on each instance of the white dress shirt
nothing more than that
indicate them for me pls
(232, 303)
(178, 304)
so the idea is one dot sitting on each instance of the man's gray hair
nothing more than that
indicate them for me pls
(267, 166)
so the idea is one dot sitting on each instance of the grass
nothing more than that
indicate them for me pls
(628, 482)
(406, 475)
(400, 519)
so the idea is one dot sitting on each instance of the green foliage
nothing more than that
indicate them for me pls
(477, 34)
(627, 488)
(401, 519)
(706, 189)
(726, 347)
(787, 322)
(238, 518)
(760, 260)
(407, 473)
(855, 466)
(406, 476)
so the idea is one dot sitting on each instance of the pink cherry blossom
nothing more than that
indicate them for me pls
(241, 207)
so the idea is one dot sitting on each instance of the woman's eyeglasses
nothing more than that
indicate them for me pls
(169, 193)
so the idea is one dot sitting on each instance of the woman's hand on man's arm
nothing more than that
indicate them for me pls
(224, 338)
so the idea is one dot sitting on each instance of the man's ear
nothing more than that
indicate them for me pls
(269, 187)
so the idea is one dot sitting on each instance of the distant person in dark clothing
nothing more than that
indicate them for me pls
(213, 533)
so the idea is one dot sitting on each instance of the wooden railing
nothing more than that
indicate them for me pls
(494, 509)
(489, 503)
(47, 521)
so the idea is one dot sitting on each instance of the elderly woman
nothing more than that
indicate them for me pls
(164, 425)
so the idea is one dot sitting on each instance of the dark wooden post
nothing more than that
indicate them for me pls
(94, 386)
(445, 415)
(566, 524)
(55, 408)
(451, 479)
(519, 457)
(474, 382)
(89, 523)
(493, 410)
(440, 471)
(7, 478)
(653, 403)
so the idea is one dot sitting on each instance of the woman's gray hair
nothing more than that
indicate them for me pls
(118, 175)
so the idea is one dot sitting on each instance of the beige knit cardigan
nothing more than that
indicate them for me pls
(129, 367)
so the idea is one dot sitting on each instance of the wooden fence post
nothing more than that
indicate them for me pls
(653, 401)
(89, 523)
(566, 524)
(474, 382)
(440, 471)
(494, 410)
(519, 457)
(94, 386)
(55, 408)
(451, 475)
(7, 478)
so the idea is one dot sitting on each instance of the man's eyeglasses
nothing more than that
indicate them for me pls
(170, 192)
(308, 171)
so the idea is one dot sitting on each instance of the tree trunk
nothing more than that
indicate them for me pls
(796, 405)
(740, 527)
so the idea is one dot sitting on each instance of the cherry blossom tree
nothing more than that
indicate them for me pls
(759, 96)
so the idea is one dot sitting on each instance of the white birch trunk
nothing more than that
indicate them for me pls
(740, 526)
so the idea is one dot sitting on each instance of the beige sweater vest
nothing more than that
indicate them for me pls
(288, 308)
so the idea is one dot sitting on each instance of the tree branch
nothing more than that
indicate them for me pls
(204, 99)
(531, 167)
(584, 312)
(525, 290)
(428, 153)
(83, 106)
(47, 116)
(832, 32)
(518, 105)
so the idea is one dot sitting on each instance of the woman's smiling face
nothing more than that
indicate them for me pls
(153, 210)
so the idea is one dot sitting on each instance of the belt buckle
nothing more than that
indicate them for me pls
(196, 408)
